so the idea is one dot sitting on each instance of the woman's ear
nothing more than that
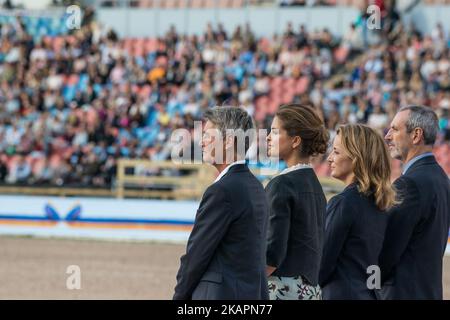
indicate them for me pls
(296, 141)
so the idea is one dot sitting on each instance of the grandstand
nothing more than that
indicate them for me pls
(75, 102)
(77, 105)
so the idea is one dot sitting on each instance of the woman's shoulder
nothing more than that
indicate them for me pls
(280, 181)
(351, 199)
(345, 199)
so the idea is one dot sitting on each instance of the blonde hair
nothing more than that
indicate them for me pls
(370, 161)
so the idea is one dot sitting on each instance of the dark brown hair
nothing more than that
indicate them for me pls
(303, 121)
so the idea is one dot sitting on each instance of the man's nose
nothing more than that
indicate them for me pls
(388, 135)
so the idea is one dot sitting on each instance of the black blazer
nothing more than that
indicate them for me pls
(354, 232)
(225, 255)
(417, 233)
(297, 212)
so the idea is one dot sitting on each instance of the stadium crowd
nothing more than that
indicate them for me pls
(72, 104)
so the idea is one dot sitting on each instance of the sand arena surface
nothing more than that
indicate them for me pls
(32, 268)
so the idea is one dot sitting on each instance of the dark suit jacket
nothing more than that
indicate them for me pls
(297, 212)
(354, 232)
(417, 233)
(225, 255)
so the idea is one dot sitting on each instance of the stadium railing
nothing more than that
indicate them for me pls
(162, 179)
(155, 180)
(182, 181)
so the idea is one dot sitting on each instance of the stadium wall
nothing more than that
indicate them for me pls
(109, 219)
(132, 22)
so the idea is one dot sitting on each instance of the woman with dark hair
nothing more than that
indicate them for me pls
(297, 205)
(356, 218)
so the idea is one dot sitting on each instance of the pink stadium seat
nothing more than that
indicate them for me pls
(341, 53)
(288, 83)
(273, 106)
(196, 4)
(276, 90)
(288, 97)
(262, 103)
(210, 3)
(183, 4)
(224, 3)
(148, 3)
(261, 107)
(237, 3)
(276, 83)
(301, 85)
(259, 115)
(170, 4)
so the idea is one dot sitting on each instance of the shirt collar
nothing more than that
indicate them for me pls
(228, 168)
(414, 160)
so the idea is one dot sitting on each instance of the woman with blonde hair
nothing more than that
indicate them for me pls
(356, 218)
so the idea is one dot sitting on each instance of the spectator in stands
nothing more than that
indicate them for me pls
(91, 86)
(21, 171)
(3, 170)
(45, 174)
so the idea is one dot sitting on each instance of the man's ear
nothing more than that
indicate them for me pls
(229, 141)
(417, 136)
(229, 149)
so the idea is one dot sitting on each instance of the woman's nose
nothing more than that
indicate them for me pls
(329, 158)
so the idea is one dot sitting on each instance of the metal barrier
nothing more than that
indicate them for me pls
(183, 181)
(158, 180)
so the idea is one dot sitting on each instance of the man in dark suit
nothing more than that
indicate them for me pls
(418, 227)
(225, 255)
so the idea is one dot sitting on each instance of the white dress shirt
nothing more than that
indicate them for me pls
(228, 168)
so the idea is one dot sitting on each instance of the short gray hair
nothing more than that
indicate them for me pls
(230, 118)
(424, 118)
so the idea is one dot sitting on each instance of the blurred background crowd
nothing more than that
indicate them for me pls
(72, 103)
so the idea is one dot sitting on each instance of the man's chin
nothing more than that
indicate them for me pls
(208, 160)
(395, 155)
